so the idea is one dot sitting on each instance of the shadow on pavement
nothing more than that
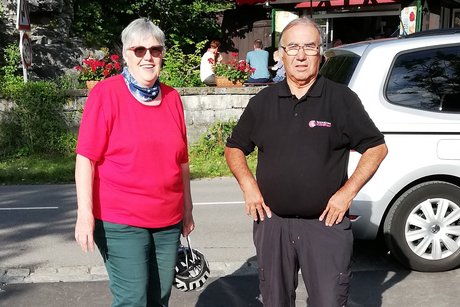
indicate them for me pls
(232, 290)
(377, 281)
(367, 288)
(374, 272)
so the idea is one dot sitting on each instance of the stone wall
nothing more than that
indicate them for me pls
(54, 51)
(202, 106)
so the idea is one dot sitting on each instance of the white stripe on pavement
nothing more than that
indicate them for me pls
(219, 203)
(29, 208)
(195, 204)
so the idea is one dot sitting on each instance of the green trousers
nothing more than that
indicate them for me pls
(140, 262)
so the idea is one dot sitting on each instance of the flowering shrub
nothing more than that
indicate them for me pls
(234, 70)
(98, 68)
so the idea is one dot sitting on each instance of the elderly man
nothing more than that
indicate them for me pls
(304, 128)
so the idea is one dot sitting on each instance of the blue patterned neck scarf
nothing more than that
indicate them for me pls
(144, 94)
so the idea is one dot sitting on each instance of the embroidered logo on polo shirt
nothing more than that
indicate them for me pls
(319, 123)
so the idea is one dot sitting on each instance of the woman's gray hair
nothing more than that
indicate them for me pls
(302, 21)
(138, 30)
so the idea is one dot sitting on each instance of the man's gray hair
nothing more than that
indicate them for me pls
(302, 21)
(138, 30)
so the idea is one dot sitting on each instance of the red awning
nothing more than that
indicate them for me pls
(248, 2)
(333, 3)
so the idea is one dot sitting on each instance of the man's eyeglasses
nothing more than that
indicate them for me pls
(292, 50)
(140, 51)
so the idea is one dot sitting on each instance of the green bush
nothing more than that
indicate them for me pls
(10, 72)
(181, 69)
(71, 80)
(35, 122)
(212, 142)
(207, 155)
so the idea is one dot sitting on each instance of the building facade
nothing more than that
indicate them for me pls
(347, 20)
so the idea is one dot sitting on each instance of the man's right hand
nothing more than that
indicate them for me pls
(255, 205)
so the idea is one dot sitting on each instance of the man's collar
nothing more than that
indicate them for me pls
(314, 91)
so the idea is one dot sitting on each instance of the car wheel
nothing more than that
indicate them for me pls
(422, 228)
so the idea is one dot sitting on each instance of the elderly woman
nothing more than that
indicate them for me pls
(132, 173)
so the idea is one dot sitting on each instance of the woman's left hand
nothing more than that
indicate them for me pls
(188, 225)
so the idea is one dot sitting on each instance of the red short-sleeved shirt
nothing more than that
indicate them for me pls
(138, 151)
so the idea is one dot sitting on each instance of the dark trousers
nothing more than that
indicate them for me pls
(257, 80)
(140, 262)
(323, 254)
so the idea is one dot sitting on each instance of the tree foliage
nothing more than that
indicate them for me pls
(185, 22)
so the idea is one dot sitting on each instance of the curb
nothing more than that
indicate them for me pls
(99, 273)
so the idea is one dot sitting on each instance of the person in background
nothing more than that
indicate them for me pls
(278, 67)
(304, 128)
(209, 58)
(132, 173)
(258, 59)
(337, 42)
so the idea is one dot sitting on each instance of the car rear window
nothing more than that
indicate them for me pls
(340, 68)
(426, 79)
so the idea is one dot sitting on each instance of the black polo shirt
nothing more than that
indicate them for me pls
(303, 144)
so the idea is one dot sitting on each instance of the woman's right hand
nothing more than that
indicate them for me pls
(84, 230)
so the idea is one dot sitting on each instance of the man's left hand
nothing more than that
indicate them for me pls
(336, 208)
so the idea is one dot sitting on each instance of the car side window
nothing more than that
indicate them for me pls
(340, 68)
(426, 79)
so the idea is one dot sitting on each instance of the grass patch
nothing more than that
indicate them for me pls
(60, 169)
(206, 161)
(37, 169)
(214, 166)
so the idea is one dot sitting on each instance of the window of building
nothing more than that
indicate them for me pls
(427, 80)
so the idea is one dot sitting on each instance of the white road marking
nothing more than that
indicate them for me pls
(29, 208)
(219, 203)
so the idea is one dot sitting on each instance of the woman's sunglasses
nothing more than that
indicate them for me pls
(140, 51)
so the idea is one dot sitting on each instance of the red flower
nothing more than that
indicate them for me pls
(234, 69)
(98, 69)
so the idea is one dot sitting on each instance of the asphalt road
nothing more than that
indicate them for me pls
(371, 288)
(36, 234)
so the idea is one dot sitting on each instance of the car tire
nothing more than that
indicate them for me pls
(422, 228)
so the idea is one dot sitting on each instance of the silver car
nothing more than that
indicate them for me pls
(411, 89)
